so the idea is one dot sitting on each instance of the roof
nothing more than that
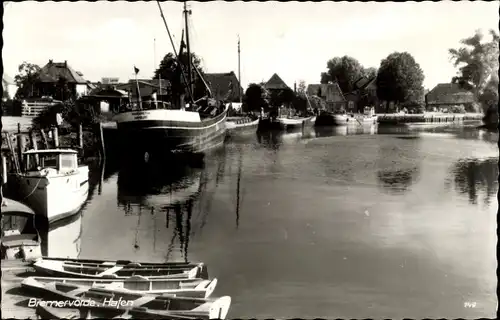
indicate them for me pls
(329, 91)
(275, 83)
(449, 93)
(50, 151)
(363, 82)
(52, 71)
(222, 83)
(12, 207)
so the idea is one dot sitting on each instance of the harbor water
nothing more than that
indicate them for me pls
(330, 223)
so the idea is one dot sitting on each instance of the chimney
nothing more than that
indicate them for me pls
(65, 63)
(295, 87)
(50, 61)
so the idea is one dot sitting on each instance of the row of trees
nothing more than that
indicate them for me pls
(400, 78)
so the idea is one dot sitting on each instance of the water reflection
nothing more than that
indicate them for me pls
(180, 195)
(320, 132)
(398, 164)
(475, 178)
(62, 238)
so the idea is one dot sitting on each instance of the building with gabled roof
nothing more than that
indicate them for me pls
(330, 93)
(275, 83)
(445, 95)
(224, 86)
(54, 73)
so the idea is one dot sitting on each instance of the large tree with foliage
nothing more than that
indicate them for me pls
(343, 70)
(26, 79)
(478, 67)
(400, 79)
(168, 69)
(254, 98)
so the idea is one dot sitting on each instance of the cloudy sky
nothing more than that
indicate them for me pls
(295, 40)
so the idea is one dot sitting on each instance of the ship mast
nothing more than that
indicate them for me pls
(239, 70)
(173, 48)
(188, 48)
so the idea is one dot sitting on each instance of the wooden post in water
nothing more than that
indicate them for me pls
(34, 145)
(101, 180)
(55, 135)
(100, 136)
(44, 139)
(80, 136)
(13, 154)
(21, 145)
(18, 128)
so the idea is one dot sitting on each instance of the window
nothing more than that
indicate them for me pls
(48, 161)
(68, 161)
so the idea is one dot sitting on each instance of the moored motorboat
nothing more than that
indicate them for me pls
(295, 123)
(117, 271)
(20, 238)
(241, 124)
(341, 118)
(194, 288)
(52, 182)
(160, 305)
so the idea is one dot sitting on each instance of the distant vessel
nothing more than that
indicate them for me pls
(344, 118)
(293, 123)
(176, 126)
(52, 183)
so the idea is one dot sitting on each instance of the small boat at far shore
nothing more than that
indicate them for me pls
(241, 124)
(155, 305)
(116, 271)
(295, 122)
(194, 288)
(368, 117)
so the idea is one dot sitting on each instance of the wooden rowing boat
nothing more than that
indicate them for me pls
(118, 271)
(194, 288)
(159, 305)
(49, 313)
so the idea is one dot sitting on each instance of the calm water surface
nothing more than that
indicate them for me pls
(326, 224)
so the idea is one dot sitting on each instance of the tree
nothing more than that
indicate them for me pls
(400, 79)
(301, 88)
(343, 70)
(168, 69)
(26, 79)
(478, 71)
(370, 73)
(254, 98)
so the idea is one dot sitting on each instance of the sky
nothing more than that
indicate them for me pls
(293, 39)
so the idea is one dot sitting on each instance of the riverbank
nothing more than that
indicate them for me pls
(430, 117)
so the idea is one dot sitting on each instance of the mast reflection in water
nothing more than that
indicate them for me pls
(168, 192)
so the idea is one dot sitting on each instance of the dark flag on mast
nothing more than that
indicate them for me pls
(136, 70)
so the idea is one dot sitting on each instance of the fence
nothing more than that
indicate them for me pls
(34, 108)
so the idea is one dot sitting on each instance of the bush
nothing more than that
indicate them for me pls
(457, 109)
(73, 114)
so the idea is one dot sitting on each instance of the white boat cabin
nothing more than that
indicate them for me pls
(44, 162)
